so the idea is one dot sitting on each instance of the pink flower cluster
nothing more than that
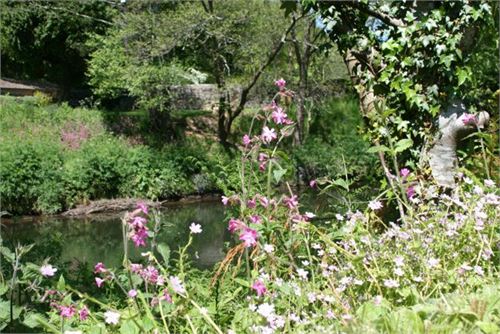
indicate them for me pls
(138, 231)
(469, 119)
(70, 311)
(73, 137)
(100, 269)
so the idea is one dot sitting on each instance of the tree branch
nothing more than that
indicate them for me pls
(78, 14)
(272, 55)
(381, 16)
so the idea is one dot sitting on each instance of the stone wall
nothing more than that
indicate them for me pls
(199, 97)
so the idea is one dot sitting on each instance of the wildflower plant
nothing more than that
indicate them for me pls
(287, 271)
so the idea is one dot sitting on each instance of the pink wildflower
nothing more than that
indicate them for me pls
(150, 274)
(139, 237)
(313, 184)
(246, 140)
(268, 135)
(100, 268)
(225, 200)
(135, 267)
(234, 224)
(410, 191)
(280, 83)
(67, 311)
(138, 222)
(264, 201)
(99, 282)
(469, 119)
(132, 293)
(255, 219)
(404, 172)
(278, 115)
(291, 202)
(259, 287)
(166, 297)
(143, 207)
(251, 203)
(83, 313)
(249, 237)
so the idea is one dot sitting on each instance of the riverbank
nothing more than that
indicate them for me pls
(56, 158)
(105, 209)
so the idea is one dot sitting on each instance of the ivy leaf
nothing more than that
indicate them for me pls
(463, 75)
(289, 7)
(403, 145)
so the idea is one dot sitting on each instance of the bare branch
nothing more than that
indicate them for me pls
(272, 55)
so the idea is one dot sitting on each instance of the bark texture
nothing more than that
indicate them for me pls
(443, 154)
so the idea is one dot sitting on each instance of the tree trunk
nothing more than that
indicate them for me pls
(224, 113)
(443, 154)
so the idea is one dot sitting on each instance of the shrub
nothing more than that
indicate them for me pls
(29, 172)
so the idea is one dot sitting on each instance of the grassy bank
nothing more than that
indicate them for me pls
(54, 157)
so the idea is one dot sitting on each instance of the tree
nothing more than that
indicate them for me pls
(44, 39)
(305, 45)
(232, 42)
(411, 63)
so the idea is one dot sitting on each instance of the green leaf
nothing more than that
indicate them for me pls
(278, 174)
(3, 288)
(31, 319)
(129, 327)
(4, 310)
(463, 75)
(488, 327)
(379, 148)
(242, 282)
(289, 7)
(164, 251)
(61, 284)
(403, 145)
(7, 253)
(342, 183)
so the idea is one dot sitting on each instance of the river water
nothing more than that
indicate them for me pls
(99, 238)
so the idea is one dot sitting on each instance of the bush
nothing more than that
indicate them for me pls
(55, 157)
(29, 173)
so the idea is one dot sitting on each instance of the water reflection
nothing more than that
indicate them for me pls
(97, 239)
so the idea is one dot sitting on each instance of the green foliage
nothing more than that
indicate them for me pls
(56, 157)
(41, 40)
(334, 150)
(417, 60)
(30, 175)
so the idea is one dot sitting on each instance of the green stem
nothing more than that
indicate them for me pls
(207, 317)
(163, 317)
